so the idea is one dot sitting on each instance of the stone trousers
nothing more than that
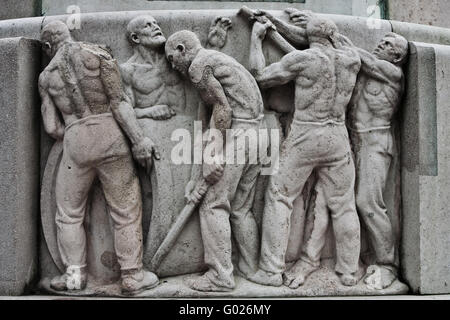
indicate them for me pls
(96, 147)
(373, 155)
(226, 212)
(325, 148)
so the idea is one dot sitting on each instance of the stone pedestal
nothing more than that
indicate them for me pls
(425, 170)
(19, 165)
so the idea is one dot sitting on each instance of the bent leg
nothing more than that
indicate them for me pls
(215, 227)
(312, 249)
(284, 187)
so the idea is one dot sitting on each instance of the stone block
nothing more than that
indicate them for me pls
(425, 170)
(19, 154)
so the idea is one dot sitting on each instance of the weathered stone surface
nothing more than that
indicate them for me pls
(430, 12)
(187, 253)
(425, 170)
(421, 33)
(347, 7)
(19, 152)
(11, 9)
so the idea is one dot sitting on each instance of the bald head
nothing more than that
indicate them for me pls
(181, 49)
(321, 28)
(145, 31)
(393, 48)
(53, 35)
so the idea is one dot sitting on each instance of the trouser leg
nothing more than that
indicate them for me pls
(338, 180)
(312, 249)
(243, 223)
(372, 163)
(215, 226)
(284, 187)
(72, 188)
(123, 196)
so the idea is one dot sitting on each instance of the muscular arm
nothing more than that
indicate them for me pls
(379, 69)
(128, 93)
(52, 123)
(282, 72)
(294, 34)
(212, 94)
(120, 105)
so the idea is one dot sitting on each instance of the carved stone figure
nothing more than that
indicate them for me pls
(81, 93)
(157, 92)
(325, 76)
(235, 103)
(378, 92)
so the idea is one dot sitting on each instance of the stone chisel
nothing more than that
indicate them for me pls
(272, 33)
(201, 187)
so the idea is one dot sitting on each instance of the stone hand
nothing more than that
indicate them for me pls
(143, 152)
(218, 31)
(158, 112)
(260, 29)
(299, 17)
(194, 192)
(212, 172)
(262, 13)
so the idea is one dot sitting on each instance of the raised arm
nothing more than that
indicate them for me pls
(380, 69)
(52, 123)
(294, 34)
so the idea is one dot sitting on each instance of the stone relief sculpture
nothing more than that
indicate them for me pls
(377, 95)
(325, 76)
(82, 84)
(157, 92)
(233, 95)
(112, 114)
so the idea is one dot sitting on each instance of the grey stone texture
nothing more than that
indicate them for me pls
(19, 154)
(13, 9)
(425, 170)
(347, 7)
(425, 243)
(429, 12)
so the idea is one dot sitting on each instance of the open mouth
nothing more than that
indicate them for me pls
(157, 33)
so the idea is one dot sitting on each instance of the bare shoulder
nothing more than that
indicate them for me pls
(297, 58)
(205, 60)
(43, 81)
(126, 70)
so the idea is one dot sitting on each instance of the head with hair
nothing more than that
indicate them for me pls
(181, 49)
(145, 31)
(393, 48)
(320, 28)
(53, 35)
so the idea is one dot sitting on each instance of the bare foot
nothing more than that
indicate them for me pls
(266, 278)
(297, 274)
(203, 283)
(379, 277)
(348, 280)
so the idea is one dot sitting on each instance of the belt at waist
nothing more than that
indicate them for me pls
(90, 118)
(365, 130)
(256, 120)
(320, 123)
